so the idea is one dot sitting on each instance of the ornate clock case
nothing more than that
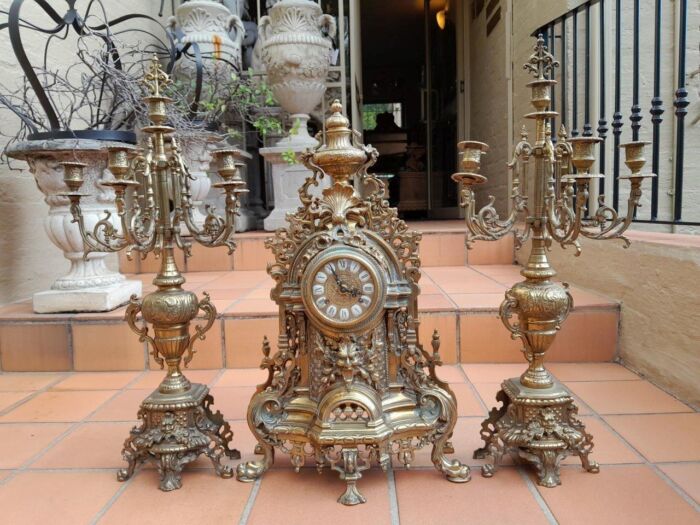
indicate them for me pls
(350, 384)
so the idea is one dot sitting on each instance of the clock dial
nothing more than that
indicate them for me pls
(343, 290)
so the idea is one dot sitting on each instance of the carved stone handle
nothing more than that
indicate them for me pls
(264, 28)
(234, 21)
(327, 22)
(210, 310)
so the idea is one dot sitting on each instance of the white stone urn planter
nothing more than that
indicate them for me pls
(89, 285)
(209, 24)
(297, 56)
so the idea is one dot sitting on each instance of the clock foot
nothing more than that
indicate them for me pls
(350, 472)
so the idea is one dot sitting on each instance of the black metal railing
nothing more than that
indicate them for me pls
(570, 38)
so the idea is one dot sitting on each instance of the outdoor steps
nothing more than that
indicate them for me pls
(442, 245)
(460, 301)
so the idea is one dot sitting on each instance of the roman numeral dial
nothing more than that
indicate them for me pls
(344, 289)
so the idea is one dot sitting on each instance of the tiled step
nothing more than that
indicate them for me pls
(460, 301)
(442, 245)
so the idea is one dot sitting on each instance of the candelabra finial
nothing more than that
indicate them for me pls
(541, 62)
(156, 79)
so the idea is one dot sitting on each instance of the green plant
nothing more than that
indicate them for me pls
(225, 105)
(289, 156)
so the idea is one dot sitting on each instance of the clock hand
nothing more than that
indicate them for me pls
(337, 279)
(344, 289)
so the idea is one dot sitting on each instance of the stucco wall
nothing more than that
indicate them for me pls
(29, 261)
(488, 101)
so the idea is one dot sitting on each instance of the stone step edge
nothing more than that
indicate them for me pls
(98, 319)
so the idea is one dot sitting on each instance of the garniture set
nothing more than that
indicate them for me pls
(350, 385)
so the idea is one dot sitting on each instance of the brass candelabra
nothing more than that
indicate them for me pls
(153, 201)
(538, 419)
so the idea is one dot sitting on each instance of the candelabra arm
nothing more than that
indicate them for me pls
(134, 231)
(486, 224)
(104, 237)
(216, 230)
(564, 222)
(210, 311)
(140, 229)
(610, 224)
(560, 215)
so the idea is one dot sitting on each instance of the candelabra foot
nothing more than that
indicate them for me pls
(175, 429)
(540, 425)
(454, 470)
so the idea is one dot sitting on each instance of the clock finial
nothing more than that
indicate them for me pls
(339, 156)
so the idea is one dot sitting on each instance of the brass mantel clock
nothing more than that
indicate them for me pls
(350, 385)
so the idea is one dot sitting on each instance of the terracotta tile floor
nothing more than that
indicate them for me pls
(61, 436)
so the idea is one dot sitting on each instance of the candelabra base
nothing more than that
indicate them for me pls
(540, 426)
(175, 429)
(93, 299)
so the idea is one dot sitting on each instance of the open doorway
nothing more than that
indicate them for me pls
(409, 103)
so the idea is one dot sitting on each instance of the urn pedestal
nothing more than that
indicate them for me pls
(89, 286)
(286, 181)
